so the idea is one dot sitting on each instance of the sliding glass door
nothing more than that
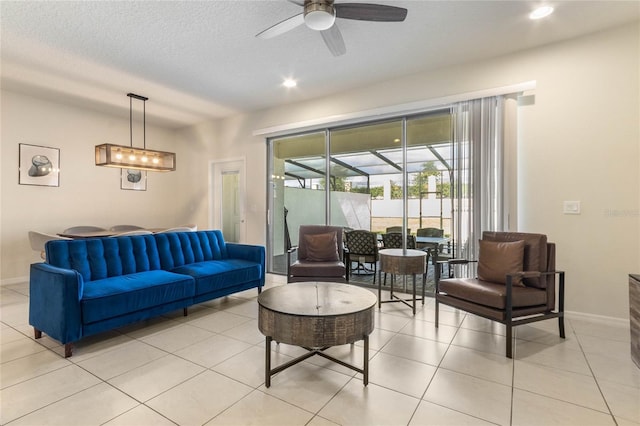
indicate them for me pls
(296, 192)
(441, 170)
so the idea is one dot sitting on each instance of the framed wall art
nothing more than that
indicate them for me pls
(135, 180)
(38, 165)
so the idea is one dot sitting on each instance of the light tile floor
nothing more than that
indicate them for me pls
(208, 368)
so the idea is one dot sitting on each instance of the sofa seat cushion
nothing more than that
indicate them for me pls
(301, 268)
(213, 275)
(491, 294)
(115, 296)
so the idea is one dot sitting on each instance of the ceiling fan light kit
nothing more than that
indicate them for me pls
(320, 15)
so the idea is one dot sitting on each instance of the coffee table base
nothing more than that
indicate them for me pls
(268, 371)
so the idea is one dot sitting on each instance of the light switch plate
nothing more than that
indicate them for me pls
(571, 207)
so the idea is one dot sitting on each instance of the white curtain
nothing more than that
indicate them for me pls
(480, 195)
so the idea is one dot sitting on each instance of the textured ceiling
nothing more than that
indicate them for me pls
(198, 60)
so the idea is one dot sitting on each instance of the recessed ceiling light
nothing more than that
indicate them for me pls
(289, 82)
(541, 12)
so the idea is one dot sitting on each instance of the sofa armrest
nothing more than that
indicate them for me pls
(54, 301)
(252, 253)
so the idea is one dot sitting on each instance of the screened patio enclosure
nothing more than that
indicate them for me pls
(452, 168)
(363, 183)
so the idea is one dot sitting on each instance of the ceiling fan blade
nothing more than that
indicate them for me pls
(334, 41)
(370, 12)
(282, 27)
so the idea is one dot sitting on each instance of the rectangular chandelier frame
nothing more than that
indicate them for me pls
(127, 157)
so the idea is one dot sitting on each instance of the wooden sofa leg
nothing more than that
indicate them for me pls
(37, 333)
(184, 311)
(68, 348)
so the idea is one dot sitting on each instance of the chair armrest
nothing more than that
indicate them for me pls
(456, 261)
(54, 301)
(526, 274)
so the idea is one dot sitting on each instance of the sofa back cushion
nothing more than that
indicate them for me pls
(101, 258)
(182, 248)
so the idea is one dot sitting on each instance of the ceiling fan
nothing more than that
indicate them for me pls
(320, 15)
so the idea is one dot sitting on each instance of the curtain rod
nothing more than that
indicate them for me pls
(390, 111)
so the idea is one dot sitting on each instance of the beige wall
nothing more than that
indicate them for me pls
(579, 140)
(87, 195)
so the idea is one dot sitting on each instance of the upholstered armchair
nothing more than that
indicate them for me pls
(319, 255)
(515, 283)
(362, 248)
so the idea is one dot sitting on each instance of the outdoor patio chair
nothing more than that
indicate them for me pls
(394, 240)
(514, 284)
(396, 229)
(362, 248)
(434, 256)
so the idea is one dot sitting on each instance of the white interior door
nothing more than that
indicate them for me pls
(227, 197)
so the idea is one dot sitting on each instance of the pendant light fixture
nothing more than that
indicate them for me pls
(128, 157)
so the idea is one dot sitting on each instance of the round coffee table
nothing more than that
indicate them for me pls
(316, 316)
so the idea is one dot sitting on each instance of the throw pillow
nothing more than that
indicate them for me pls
(322, 247)
(497, 259)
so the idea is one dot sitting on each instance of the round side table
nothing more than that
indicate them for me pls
(402, 262)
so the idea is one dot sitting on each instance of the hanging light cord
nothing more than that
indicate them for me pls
(144, 118)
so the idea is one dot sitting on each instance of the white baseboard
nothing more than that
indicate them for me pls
(594, 317)
(15, 280)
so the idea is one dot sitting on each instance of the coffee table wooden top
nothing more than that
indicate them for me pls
(316, 315)
(317, 299)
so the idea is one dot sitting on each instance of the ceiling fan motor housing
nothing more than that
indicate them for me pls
(319, 15)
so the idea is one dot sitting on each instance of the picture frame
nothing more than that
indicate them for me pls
(38, 165)
(133, 180)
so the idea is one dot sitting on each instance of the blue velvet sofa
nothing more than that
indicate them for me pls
(93, 285)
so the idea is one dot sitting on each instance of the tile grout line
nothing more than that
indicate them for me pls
(595, 379)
